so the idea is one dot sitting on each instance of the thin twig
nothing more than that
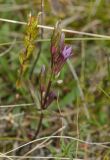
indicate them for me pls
(12, 116)
(36, 140)
(34, 95)
(36, 157)
(3, 155)
(17, 105)
(102, 144)
(39, 126)
(52, 28)
(8, 8)
(35, 62)
(9, 49)
(77, 125)
(66, 39)
(39, 145)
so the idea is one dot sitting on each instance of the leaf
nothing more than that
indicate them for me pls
(70, 97)
(18, 83)
(25, 66)
(26, 41)
(21, 58)
(30, 50)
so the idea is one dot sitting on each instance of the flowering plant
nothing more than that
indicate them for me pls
(60, 52)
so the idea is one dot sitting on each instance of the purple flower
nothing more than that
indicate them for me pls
(60, 51)
(67, 51)
(60, 59)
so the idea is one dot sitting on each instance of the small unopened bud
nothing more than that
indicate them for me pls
(60, 81)
(29, 14)
(50, 98)
(57, 75)
(43, 69)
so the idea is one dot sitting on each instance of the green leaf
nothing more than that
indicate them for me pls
(70, 97)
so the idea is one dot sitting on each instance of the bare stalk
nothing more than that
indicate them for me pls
(52, 28)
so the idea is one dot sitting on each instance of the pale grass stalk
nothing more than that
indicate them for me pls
(82, 80)
(79, 87)
(77, 125)
(12, 21)
(42, 143)
(17, 105)
(11, 116)
(35, 157)
(102, 144)
(62, 119)
(82, 77)
(86, 148)
(105, 93)
(51, 28)
(8, 8)
(33, 94)
(36, 140)
(66, 39)
(13, 139)
(9, 43)
(9, 49)
(7, 157)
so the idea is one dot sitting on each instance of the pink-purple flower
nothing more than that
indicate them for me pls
(60, 51)
(67, 51)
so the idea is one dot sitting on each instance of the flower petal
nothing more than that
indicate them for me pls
(67, 51)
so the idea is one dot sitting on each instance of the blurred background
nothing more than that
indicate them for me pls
(83, 106)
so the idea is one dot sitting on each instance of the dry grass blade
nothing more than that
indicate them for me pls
(36, 140)
(17, 105)
(9, 49)
(39, 145)
(64, 30)
(35, 157)
(101, 144)
(7, 157)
